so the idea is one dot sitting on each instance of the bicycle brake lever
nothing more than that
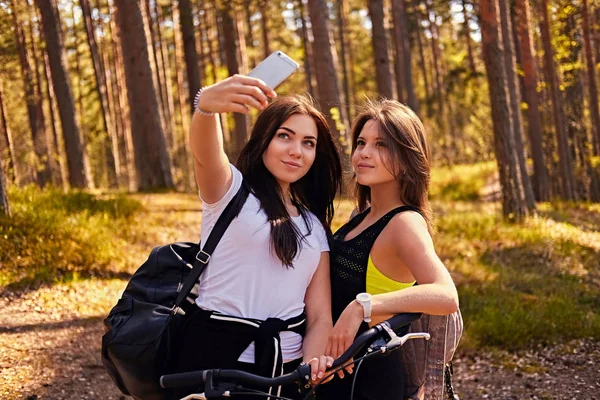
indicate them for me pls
(396, 341)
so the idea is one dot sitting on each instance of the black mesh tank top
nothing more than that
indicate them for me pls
(350, 258)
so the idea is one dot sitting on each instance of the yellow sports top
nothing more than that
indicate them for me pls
(378, 283)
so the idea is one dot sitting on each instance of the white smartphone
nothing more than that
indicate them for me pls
(275, 69)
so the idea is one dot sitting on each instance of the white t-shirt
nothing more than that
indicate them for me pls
(245, 279)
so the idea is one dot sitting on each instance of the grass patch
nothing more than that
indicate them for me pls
(461, 182)
(526, 284)
(57, 237)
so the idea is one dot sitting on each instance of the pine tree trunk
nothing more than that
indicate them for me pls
(514, 207)
(515, 100)
(8, 145)
(381, 57)
(211, 50)
(35, 110)
(264, 19)
(194, 75)
(565, 162)
(341, 14)
(399, 50)
(151, 154)
(38, 57)
(541, 182)
(4, 205)
(467, 33)
(97, 62)
(242, 51)
(158, 73)
(248, 12)
(325, 62)
(592, 85)
(308, 68)
(79, 170)
(164, 66)
(404, 73)
(241, 121)
(423, 67)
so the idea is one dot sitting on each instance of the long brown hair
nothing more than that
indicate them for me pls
(409, 152)
(314, 192)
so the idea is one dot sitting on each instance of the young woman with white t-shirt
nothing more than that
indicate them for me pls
(264, 300)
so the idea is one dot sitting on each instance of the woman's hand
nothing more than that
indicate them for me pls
(344, 332)
(318, 366)
(238, 93)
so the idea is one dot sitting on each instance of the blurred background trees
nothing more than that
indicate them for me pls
(98, 93)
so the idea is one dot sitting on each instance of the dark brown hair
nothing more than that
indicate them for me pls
(409, 152)
(314, 192)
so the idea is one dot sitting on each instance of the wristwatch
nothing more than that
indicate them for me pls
(364, 299)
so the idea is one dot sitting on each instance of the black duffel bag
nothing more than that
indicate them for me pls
(142, 329)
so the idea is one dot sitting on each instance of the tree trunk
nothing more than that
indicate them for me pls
(565, 162)
(4, 206)
(341, 14)
(515, 99)
(514, 207)
(185, 105)
(159, 76)
(248, 12)
(541, 182)
(399, 50)
(164, 66)
(210, 41)
(380, 50)
(592, 85)
(241, 121)
(264, 19)
(79, 170)
(467, 33)
(114, 164)
(242, 51)
(35, 109)
(8, 145)
(403, 54)
(308, 68)
(423, 67)
(194, 75)
(151, 154)
(325, 62)
(39, 58)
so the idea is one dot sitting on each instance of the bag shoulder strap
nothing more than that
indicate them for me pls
(203, 257)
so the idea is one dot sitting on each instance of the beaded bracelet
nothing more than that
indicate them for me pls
(197, 101)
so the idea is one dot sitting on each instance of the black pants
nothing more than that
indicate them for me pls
(206, 344)
(378, 378)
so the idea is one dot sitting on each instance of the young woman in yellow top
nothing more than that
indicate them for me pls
(383, 260)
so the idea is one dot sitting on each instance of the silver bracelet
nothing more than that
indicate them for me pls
(197, 101)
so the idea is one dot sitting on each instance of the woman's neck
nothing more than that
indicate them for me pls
(384, 197)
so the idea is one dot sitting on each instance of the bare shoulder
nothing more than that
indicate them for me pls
(409, 228)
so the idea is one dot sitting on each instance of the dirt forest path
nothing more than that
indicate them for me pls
(50, 337)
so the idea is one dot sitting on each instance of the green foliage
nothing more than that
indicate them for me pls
(522, 284)
(53, 236)
(461, 182)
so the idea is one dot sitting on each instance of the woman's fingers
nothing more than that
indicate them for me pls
(250, 81)
(246, 100)
(255, 92)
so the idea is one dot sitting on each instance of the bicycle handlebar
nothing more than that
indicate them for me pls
(301, 373)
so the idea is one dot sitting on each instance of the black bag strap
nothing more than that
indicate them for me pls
(203, 256)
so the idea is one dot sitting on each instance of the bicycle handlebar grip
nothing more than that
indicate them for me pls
(183, 379)
(401, 320)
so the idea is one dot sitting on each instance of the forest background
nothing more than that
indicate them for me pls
(95, 106)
